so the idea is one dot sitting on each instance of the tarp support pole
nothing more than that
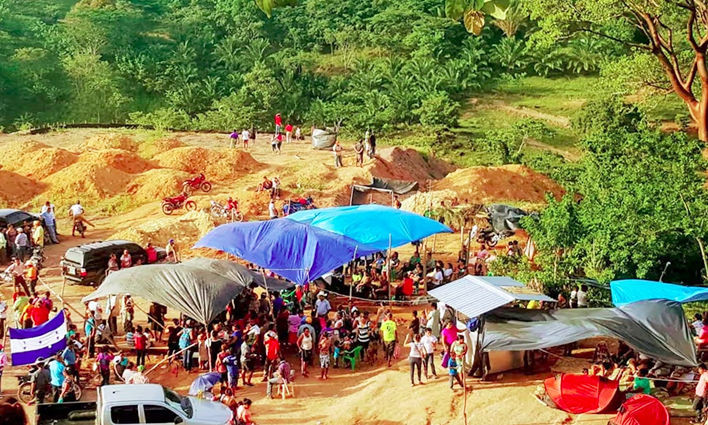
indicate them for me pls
(388, 267)
(351, 284)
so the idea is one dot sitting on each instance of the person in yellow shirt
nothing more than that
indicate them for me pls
(38, 234)
(388, 334)
(31, 273)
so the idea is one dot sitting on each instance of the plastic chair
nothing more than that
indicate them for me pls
(286, 388)
(352, 355)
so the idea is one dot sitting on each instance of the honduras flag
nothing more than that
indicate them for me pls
(45, 340)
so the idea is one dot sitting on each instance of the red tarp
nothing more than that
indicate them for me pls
(642, 409)
(583, 393)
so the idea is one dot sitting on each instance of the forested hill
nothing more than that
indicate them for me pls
(221, 64)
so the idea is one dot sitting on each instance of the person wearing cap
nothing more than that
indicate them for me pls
(56, 373)
(322, 307)
(138, 377)
(38, 234)
(172, 252)
(31, 276)
(40, 380)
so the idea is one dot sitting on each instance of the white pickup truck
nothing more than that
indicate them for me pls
(135, 404)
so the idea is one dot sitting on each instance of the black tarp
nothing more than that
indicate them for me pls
(656, 328)
(399, 187)
(504, 218)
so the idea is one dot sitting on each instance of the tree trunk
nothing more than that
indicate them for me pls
(702, 125)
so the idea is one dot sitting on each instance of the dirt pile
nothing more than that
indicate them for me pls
(408, 164)
(515, 183)
(84, 180)
(16, 189)
(120, 159)
(151, 148)
(155, 184)
(185, 230)
(108, 141)
(42, 162)
(216, 164)
(420, 202)
(14, 153)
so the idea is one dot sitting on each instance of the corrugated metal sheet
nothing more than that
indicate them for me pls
(475, 295)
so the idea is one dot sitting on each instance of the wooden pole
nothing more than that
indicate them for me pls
(168, 358)
(351, 284)
(60, 298)
(388, 267)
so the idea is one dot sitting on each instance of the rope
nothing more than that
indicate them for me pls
(421, 300)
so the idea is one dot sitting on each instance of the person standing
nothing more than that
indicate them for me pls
(372, 145)
(185, 341)
(322, 307)
(56, 373)
(278, 123)
(10, 236)
(699, 400)
(388, 335)
(582, 296)
(22, 244)
(298, 133)
(3, 246)
(288, 133)
(104, 359)
(233, 139)
(305, 345)
(38, 234)
(3, 316)
(324, 346)
(337, 149)
(172, 252)
(359, 150)
(429, 341)
(272, 212)
(140, 342)
(17, 270)
(415, 357)
(245, 138)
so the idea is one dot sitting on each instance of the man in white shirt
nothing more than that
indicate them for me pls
(582, 297)
(138, 377)
(271, 210)
(245, 135)
(428, 340)
(76, 212)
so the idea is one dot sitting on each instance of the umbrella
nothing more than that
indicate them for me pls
(296, 251)
(199, 289)
(372, 224)
(204, 383)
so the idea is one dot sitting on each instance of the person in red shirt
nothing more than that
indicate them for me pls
(151, 253)
(140, 345)
(278, 123)
(39, 313)
(288, 133)
(272, 346)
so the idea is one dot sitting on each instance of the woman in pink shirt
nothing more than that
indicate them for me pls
(449, 335)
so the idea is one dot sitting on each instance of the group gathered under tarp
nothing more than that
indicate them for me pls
(632, 290)
(201, 288)
(308, 244)
(656, 328)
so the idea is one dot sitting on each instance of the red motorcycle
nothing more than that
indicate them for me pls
(179, 201)
(196, 183)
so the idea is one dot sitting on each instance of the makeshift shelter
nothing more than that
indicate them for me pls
(373, 225)
(297, 251)
(323, 139)
(631, 290)
(505, 219)
(656, 328)
(582, 393)
(227, 270)
(200, 289)
(380, 191)
(642, 409)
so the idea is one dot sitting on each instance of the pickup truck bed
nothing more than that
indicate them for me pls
(72, 413)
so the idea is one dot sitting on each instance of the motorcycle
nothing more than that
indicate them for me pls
(177, 202)
(79, 227)
(24, 385)
(486, 237)
(196, 183)
(38, 257)
(301, 204)
(218, 210)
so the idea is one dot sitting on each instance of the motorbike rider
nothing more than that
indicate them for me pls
(231, 207)
(76, 212)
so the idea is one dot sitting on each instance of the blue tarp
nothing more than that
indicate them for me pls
(296, 251)
(631, 290)
(372, 224)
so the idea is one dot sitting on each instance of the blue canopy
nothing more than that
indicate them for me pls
(296, 251)
(631, 290)
(372, 224)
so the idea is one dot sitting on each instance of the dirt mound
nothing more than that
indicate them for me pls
(109, 141)
(155, 147)
(216, 164)
(14, 152)
(120, 159)
(499, 184)
(185, 230)
(156, 184)
(408, 164)
(84, 180)
(420, 202)
(16, 189)
(42, 162)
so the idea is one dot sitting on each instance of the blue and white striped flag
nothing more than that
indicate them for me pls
(45, 340)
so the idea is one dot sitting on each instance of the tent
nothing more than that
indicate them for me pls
(385, 188)
(323, 139)
(227, 270)
(583, 393)
(297, 251)
(642, 409)
(631, 290)
(200, 289)
(656, 328)
(372, 225)
(505, 219)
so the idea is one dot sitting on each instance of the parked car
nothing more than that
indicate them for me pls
(136, 404)
(86, 264)
(18, 218)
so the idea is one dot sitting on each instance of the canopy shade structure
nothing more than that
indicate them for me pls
(297, 251)
(656, 328)
(200, 289)
(226, 269)
(372, 224)
(476, 295)
(631, 290)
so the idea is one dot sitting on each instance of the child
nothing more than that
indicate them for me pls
(231, 363)
(452, 370)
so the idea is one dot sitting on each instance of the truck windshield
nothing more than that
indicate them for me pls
(178, 402)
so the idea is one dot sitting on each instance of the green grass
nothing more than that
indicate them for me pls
(555, 96)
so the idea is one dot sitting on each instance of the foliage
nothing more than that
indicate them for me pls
(507, 145)
(608, 115)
